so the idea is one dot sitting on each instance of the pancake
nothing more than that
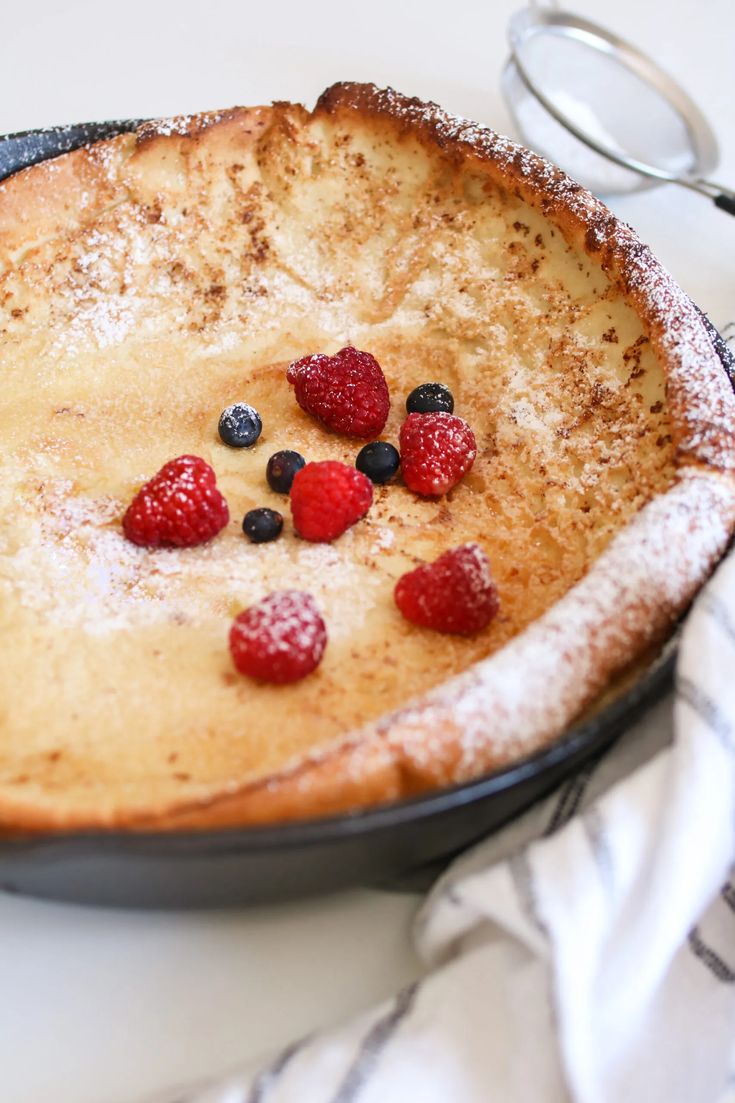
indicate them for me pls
(151, 280)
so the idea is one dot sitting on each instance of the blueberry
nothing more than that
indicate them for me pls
(379, 461)
(282, 466)
(262, 525)
(430, 398)
(240, 425)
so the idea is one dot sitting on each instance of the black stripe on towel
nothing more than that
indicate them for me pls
(710, 958)
(452, 894)
(373, 1045)
(728, 895)
(707, 710)
(720, 614)
(570, 798)
(525, 886)
(267, 1077)
(600, 846)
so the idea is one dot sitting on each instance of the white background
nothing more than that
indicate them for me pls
(102, 1006)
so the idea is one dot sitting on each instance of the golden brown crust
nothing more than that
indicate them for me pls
(699, 394)
(482, 718)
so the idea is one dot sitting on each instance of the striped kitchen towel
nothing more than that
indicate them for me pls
(587, 952)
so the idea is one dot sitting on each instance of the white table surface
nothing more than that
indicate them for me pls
(103, 1006)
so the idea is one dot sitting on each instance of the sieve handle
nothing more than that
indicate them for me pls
(722, 197)
(726, 202)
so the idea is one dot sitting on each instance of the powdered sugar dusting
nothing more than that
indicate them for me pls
(279, 639)
(106, 322)
(176, 125)
(75, 569)
(384, 540)
(514, 702)
(101, 309)
(518, 700)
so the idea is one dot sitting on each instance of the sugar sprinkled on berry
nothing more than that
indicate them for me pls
(179, 507)
(347, 392)
(430, 398)
(437, 450)
(281, 639)
(239, 425)
(454, 594)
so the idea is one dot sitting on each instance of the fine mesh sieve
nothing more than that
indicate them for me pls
(602, 110)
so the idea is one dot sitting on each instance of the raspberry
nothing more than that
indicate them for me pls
(347, 391)
(328, 497)
(181, 505)
(281, 639)
(436, 451)
(454, 594)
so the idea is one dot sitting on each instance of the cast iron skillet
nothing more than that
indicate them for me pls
(262, 864)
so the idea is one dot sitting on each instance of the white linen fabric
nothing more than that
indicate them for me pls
(586, 953)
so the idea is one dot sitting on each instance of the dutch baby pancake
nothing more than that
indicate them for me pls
(149, 281)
